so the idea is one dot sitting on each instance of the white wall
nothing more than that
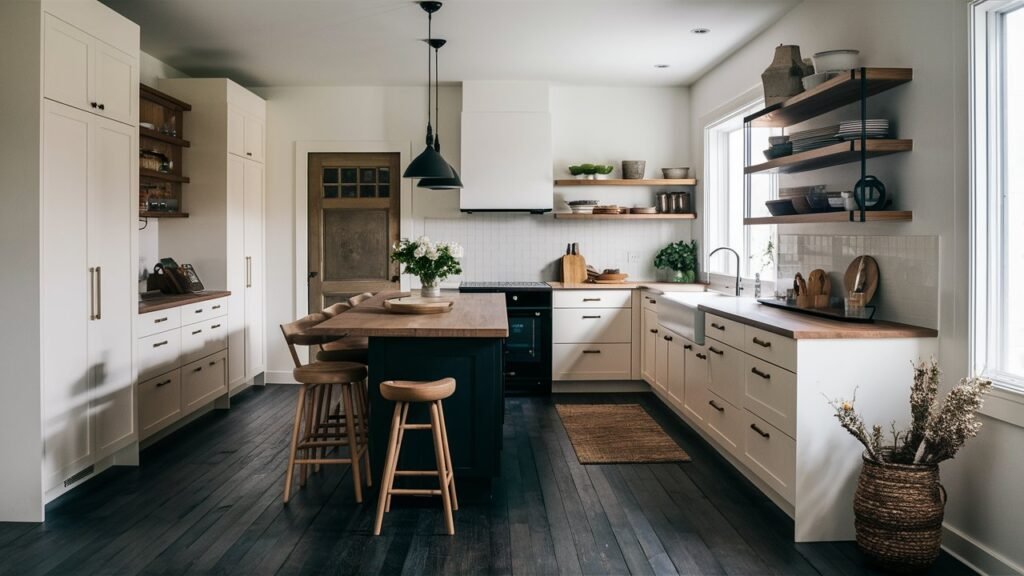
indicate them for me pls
(984, 518)
(589, 124)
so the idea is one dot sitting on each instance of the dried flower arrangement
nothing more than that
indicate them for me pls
(937, 431)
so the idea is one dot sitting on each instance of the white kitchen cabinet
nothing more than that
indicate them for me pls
(608, 325)
(82, 71)
(592, 299)
(89, 176)
(592, 335)
(590, 361)
(725, 371)
(649, 345)
(224, 235)
(661, 361)
(676, 381)
(695, 386)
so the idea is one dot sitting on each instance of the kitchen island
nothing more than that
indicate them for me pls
(464, 344)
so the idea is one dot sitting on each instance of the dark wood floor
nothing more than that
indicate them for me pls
(207, 500)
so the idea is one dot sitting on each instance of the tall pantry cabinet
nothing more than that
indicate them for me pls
(224, 236)
(70, 165)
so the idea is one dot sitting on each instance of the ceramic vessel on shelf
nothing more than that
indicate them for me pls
(633, 169)
(675, 173)
(783, 78)
(835, 60)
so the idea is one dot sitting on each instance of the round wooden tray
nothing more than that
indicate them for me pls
(418, 305)
(869, 277)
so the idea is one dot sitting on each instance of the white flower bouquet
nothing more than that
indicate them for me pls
(431, 262)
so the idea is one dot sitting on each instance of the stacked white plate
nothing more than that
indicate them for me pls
(873, 128)
(816, 138)
(582, 206)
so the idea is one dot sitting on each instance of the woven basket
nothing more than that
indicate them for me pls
(898, 511)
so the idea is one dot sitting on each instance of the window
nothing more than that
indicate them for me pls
(997, 197)
(724, 195)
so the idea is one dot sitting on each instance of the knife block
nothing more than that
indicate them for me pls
(574, 269)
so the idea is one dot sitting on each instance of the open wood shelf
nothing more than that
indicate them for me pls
(570, 216)
(157, 214)
(172, 140)
(635, 182)
(834, 155)
(833, 217)
(827, 96)
(143, 173)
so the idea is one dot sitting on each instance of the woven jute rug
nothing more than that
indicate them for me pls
(617, 434)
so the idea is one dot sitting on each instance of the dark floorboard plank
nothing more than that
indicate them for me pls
(500, 560)
(540, 544)
(640, 546)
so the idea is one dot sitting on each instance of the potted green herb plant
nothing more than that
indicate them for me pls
(681, 258)
(430, 262)
(899, 503)
(590, 171)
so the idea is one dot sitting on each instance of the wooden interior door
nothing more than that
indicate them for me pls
(353, 222)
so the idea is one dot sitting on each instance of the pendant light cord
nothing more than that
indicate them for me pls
(437, 99)
(430, 22)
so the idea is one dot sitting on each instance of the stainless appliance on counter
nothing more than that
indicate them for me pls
(528, 346)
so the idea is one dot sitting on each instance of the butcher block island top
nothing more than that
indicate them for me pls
(802, 326)
(472, 316)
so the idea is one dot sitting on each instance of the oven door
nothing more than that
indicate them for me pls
(527, 348)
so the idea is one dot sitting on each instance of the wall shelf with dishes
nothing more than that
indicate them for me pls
(161, 141)
(851, 141)
(625, 182)
(655, 216)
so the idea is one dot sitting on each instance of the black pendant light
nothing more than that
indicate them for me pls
(429, 164)
(453, 183)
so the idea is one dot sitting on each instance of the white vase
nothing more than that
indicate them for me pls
(430, 289)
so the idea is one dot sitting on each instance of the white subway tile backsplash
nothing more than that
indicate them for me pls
(519, 247)
(908, 288)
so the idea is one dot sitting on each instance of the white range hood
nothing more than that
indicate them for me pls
(506, 147)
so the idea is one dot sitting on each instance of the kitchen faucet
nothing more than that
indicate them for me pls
(736, 254)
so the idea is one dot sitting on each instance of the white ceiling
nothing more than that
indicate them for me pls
(377, 42)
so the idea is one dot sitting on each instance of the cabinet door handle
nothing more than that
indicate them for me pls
(717, 326)
(715, 350)
(667, 338)
(248, 153)
(92, 293)
(764, 375)
(159, 344)
(653, 330)
(99, 288)
(591, 351)
(702, 356)
(197, 369)
(654, 301)
(687, 346)
(213, 363)
(591, 299)
(762, 343)
(716, 406)
(217, 307)
(93, 104)
(248, 271)
(159, 320)
(194, 332)
(591, 317)
(215, 326)
(164, 383)
(198, 311)
(102, 107)
(763, 434)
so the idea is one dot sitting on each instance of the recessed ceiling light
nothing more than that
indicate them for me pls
(700, 30)
(661, 65)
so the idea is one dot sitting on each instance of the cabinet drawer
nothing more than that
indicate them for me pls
(159, 402)
(724, 330)
(202, 381)
(159, 321)
(770, 393)
(592, 299)
(725, 372)
(770, 347)
(203, 338)
(650, 301)
(158, 353)
(200, 311)
(611, 325)
(725, 423)
(591, 361)
(770, 454)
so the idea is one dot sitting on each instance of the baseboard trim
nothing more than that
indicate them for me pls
(976, 555)
(592, 386)
(279, 377)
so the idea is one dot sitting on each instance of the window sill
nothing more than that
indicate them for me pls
(1004, 404)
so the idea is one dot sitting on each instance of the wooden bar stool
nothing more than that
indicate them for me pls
(404, 393)
(359, 298)
(322, 421)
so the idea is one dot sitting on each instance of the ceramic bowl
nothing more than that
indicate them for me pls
(835, 60)
(675, 173)
(783, 207)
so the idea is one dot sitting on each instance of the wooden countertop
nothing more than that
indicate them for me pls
(659, 286)
(174, 300)
(802, 326)
(473, 316)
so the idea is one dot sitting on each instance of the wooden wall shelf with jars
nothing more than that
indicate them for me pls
(161, 140)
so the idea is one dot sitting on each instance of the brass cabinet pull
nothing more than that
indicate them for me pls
(717, 326)
(716, 406)
(762, 343)
(764, 375)
(159, 344)
(715, 350)
(591, 317)
(164, 383)
(763, 434)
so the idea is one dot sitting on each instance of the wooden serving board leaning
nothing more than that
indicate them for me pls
(418, 305)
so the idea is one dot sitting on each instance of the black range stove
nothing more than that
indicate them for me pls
(528, 346)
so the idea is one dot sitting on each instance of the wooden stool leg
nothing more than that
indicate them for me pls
(295, 443)
(448, 455)
(401, 437)
(318, 409)
(442, 471)
(364, 421)
(353, 448)
(307, 453)
(390, 463)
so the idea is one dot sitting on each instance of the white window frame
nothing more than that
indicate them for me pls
(987, 174)
(712, 175)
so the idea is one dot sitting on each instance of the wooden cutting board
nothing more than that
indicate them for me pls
(869, 274)
(574, 269)
(418, 305)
